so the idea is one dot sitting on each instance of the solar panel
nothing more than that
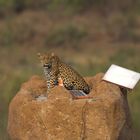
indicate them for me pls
(79, 94)
(122, 76)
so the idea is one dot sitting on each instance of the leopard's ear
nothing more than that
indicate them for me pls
(52, 54)
(39, 55)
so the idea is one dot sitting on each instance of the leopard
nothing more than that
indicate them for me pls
(55, 68)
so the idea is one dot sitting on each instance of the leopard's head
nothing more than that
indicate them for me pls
(48, 60)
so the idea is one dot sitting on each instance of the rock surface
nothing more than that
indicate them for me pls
(59, 117)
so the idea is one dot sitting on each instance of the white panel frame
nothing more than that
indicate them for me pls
(122, 76)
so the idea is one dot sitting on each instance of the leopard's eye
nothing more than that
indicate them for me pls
(48, 66)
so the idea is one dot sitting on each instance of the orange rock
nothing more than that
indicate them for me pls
(59, 117)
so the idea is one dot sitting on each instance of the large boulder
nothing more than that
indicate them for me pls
(60, 117)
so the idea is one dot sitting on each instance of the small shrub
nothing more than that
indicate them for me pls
(71, 5)
(16, 32)
(68, 34)
(122, 28)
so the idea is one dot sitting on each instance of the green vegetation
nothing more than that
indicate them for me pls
(70, 5)
(127, 58)
(93, 36)
(9, 33)
(67, 34)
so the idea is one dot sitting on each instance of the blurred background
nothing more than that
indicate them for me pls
(90, 35)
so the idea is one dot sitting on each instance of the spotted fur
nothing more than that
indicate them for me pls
(54, 68)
